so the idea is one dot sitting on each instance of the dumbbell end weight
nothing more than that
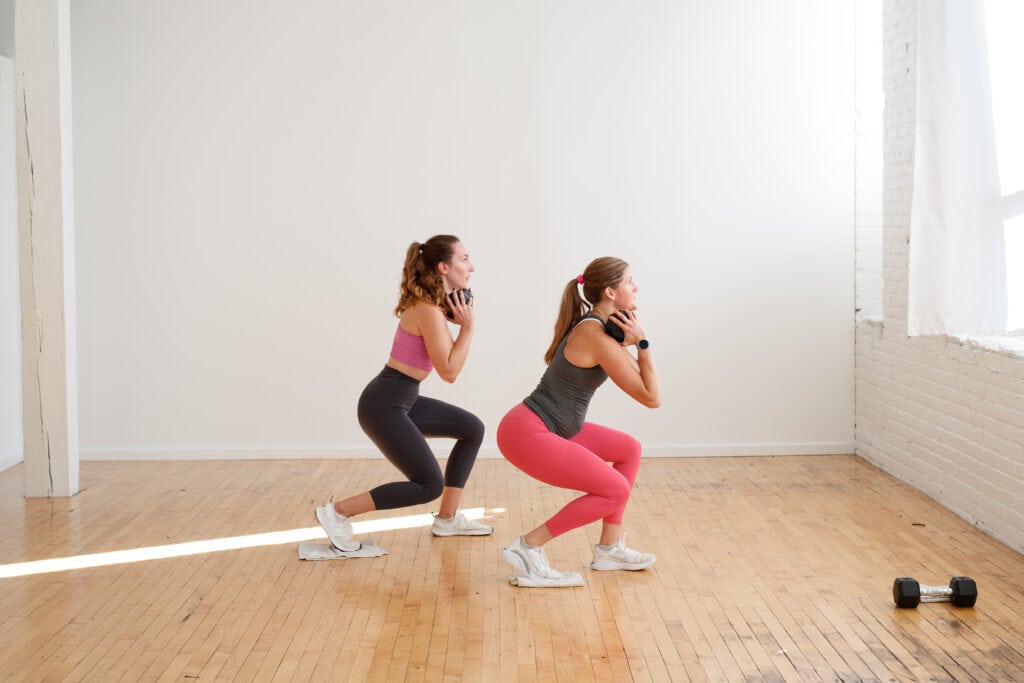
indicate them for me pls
(906, 592)
(964, 591)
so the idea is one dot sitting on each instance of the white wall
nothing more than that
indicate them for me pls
(248, 176)
(7, 28)
(944, 415)
(11, 441)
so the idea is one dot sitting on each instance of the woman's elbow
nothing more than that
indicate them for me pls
(448, 376)
(646, 398)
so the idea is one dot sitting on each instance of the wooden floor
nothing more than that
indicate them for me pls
(774, 569)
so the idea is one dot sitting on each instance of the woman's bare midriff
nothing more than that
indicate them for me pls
(406, 369)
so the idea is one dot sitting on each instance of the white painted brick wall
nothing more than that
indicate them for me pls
(944, 415)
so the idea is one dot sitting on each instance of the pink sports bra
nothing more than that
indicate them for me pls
(411, 350)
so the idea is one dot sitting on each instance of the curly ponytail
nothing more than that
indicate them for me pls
(420, 279)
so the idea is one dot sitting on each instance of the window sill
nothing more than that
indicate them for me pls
(1012, 344)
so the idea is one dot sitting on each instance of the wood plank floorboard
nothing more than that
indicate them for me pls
(769, 569)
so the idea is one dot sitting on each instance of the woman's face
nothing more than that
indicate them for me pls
(624, 295)
(458, 270)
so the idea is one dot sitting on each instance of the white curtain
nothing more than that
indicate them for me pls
(957, 272)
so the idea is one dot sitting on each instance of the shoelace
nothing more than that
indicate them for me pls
(541, 560)
(344, 523)
(622, 550)
(630, 554)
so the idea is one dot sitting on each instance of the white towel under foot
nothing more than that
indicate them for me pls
(566, 579)
(311, 550)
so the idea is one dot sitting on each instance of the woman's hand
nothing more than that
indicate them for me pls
(461, 309)
(632, 328)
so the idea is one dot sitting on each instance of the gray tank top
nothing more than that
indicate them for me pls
(564, 392)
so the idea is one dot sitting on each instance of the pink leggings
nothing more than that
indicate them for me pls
(579, 463)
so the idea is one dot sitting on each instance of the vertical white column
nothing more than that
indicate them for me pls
(42, 63)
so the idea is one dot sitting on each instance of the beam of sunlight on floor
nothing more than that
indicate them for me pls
(59, 564)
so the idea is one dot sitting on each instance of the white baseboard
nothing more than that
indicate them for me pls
(10, 460)
(487, 452)
(254, 453)
(749, 449)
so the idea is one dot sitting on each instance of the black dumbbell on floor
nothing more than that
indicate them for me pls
(962, 592)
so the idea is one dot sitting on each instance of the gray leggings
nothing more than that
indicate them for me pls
(395, 416)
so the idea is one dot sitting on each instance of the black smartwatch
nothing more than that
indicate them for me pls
(643, 344)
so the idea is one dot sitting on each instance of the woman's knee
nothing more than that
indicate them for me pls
(432, 488)
(619, 491)
(474, 429)
(634, 448)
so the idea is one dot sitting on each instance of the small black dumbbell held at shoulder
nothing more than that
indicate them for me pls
(467, 296)
(962, 592)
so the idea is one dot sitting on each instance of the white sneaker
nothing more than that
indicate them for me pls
(459, 525)
(618, 556)
(532, 564)
(338, 528)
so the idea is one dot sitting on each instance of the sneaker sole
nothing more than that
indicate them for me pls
(610, 566)
(316, 513)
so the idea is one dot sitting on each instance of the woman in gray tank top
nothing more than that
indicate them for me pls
(547, 435)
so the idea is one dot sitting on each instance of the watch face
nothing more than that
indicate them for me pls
(643, 344)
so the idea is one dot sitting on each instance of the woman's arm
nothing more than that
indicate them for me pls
(447, 354)
(588, 345)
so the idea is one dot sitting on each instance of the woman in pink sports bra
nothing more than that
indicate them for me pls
(395, 416)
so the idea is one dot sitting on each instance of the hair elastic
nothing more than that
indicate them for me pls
(579, 279)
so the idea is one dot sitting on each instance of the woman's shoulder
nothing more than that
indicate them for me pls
(587, 331)
(588, 325)
(586, 344)
(419, 312)
(421, 307)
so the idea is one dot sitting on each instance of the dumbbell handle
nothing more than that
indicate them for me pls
(935, 593)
